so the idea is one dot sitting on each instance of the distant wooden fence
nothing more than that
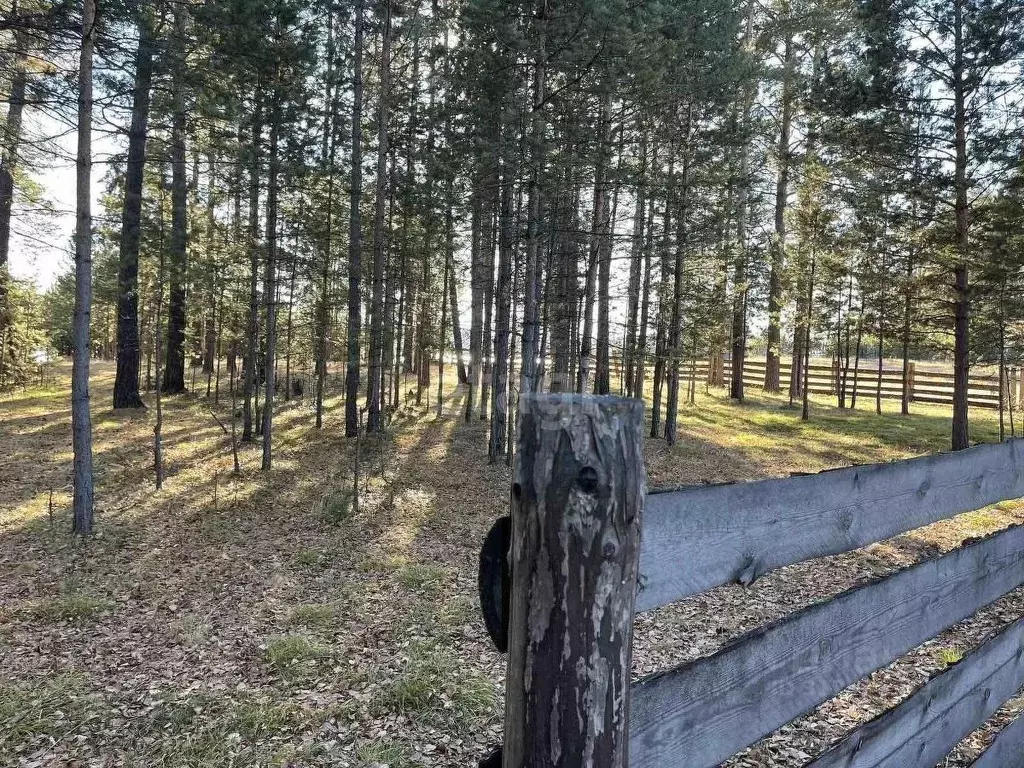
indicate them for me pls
(579, 572)
(924, 386)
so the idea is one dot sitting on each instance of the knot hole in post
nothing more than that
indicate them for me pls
(587, 480)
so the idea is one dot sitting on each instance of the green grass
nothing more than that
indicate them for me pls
(949, 656)
(432, 688)
(338, 506)
(384, 752)
(422, 578)
(766, 435)
(200, 731)
(51, 709)
(313, 558)
(313, 615)
(66, 608)
(374, 562)
(288, 651)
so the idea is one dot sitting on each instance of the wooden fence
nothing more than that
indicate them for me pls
(924, 386)
(590, 547)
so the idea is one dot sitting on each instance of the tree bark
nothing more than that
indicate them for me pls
(126, 380)
(961, 285)
(603, 235)
(531, 282)
(252, 331)
(355, 233)
(675, 324)
(375, 389)
(81, 420)
(778, 248)
(174, 363)
(323, 308)
(270, 277)
(636, 263)
(577, 504)
(476, 289)
(500, 366)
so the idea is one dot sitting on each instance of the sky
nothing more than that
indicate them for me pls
(41, 253)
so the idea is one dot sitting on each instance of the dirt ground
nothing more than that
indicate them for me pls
(263, 620)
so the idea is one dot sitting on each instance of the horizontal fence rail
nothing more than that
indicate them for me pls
(925, 727)
(699, 714)
(702, 712)
(933, 387)
(1007, 751)
(701, 537)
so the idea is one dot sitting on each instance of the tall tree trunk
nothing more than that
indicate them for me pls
(597, 223)
(81, 421)
(441, 343)
(602, 233)
(453, 303)
(961, 285)
(210, 327)
(500, 366)
(675, 324)
(8, 164)
(856, 354)
(270, 277)
(355, 233)
(126, 380)
(563, 279)
(487, 237)
(778, 247)
(375, 389)
(640, 362)
(327, 152)
(174, 363)
(636, 258)
(805, 369)
(250, 384)
(476, 290)
(664, 308)
(908, 311)
(531, 282)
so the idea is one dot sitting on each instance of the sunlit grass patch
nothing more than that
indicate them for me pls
(949, 656)
(66, 608)
(373, 562)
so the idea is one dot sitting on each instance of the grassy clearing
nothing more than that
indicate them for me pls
(225, 647)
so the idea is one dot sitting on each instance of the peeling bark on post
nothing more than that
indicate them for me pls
(576, 508)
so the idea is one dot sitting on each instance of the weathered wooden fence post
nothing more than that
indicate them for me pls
(577, 501)
(911, 376)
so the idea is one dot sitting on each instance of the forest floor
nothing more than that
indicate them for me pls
(261, 620)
